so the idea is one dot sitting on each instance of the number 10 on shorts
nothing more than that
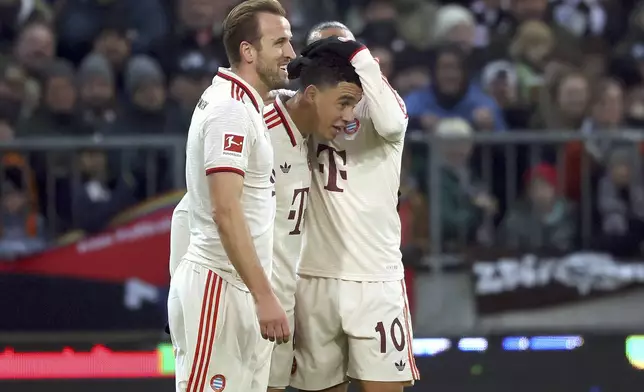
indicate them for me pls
(396, 333)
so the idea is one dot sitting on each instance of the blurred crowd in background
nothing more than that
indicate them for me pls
(103, 68)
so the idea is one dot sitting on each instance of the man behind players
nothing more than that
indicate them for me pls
(221, 303)
(351, 306)
(321, 108)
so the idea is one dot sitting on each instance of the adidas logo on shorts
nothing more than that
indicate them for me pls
(400, 365)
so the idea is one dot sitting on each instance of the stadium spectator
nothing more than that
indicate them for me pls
(582, 18)
(607, 111)
(35, 48)
(412, 208)
(103, 191)
(97, 92)
(492, 17)
(530, 50)
(452, 93)
(542, 219)
(499, 79)
(114, 43)
(467, 207)
(148, 109)
(455, 25)
(13, 93)
(380, 27)
(606, 115)
(16, 164)
(412, 22)
(58, 112)
(193, 76)
(620, 204)
(14, 14)
(22, 228)
(635, 107)
(194, 30)
(631, 43)
(564, 104)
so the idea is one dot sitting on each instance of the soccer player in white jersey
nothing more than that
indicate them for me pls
(351, 307)
(320, 108)
(179, 234)
(221, 303)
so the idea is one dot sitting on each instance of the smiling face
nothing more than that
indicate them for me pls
(333, 107)
(274, 51)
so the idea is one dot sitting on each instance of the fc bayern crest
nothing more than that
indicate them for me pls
(218, 383)
(352, 127)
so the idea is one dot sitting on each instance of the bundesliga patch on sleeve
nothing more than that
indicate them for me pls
(233, 144)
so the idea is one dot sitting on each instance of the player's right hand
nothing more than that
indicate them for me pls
(273, 322)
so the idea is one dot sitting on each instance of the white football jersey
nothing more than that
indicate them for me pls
(227, 134)
(353, 230)
(292, 177)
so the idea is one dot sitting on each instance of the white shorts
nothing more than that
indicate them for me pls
(351, 330)
(179, 238)
(284, 282)
(282, 360)
(215, 334)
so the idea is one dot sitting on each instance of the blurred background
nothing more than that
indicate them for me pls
(522, 201)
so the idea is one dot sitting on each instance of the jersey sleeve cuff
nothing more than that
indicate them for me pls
(225, 169)
(362, 57)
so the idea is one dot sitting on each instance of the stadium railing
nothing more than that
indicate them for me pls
(54, 167)
(498, 167)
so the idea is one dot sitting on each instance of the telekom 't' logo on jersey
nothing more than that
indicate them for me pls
(298, 204)
(334, 170)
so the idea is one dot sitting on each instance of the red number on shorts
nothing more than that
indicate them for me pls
(398, 344)
(381, 330)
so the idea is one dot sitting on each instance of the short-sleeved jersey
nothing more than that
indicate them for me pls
(227, 134)
(292, 178)
(354, 229)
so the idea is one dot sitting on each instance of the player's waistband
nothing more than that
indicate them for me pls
(228, 274)
(353, 277)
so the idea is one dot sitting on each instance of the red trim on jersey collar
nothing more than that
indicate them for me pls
(241, 85)
(287, 126)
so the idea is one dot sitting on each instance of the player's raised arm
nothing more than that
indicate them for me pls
(386, 108)
(228, 140)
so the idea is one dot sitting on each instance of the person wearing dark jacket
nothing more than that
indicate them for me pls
(102, 193)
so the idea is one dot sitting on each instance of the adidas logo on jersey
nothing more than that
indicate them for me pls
(400, 365)
(285, 168)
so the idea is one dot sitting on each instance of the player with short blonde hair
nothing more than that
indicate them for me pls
(221, 303)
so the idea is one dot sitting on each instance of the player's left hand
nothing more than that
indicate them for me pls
(341, 46)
